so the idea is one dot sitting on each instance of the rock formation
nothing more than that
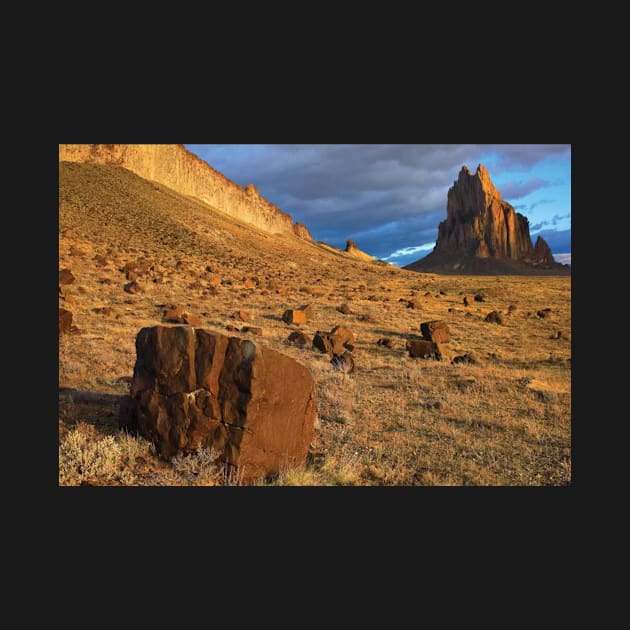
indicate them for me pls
(355, 252)
(175, 167)
(483, 233)
(192, 388)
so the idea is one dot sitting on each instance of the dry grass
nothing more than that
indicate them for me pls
(394, 421)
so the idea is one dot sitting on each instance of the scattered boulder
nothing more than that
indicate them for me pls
(413, 304)
(106, 311)
(191, 320)
(435, 330)
(480, 297)
(337, 341)
(133, 287)
(242, 315)
(423, 349)
(192, 388)
(343, 362)
(467, 300)
(66, 276)
(174, 314)
(345, 309)
(300, 339)
(294, 316)
(65, 321)
(493, 317)
(386, 341)
(543, 313)
(468, 358)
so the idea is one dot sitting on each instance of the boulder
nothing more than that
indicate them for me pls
(66, 276)
(133, 287)
(435, 330)
(423, 349)
(192, 388)
(343, 362)
(386, 341)
(242, 316)
(294, 316)
(493, 317)
(65, 321)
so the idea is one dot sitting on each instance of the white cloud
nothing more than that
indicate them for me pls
(564, 259)
(408, 251)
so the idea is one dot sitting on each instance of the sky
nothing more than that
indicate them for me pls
(390, 198)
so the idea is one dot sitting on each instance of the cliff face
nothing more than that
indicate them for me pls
(173, 166)
(483, 233)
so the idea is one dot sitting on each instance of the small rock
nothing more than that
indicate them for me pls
(345, 309)
(435, 330)
(106, 311)
(343, 362)
(386, 341)
(191, 320)
(467, 300)
(242, 315)
(231, 328)
(66, 276)
(413, 304)
(133, 287)
(557, 335)
(65, 321)
(480, 297)
(543, 312)
(493, 317)
(421, 349)
(467, 358)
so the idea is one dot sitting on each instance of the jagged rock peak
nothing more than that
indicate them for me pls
(350, 245)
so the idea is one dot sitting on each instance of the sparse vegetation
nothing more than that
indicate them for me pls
(394, 421)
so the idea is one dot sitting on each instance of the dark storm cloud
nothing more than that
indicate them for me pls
(385, 197)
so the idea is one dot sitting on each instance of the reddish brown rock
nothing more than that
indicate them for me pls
(435, 330)
(106, 311)
(65, 321)
(242, 316)
(66, 276)
(300, 339)
(191, 320)
(294, 316)
(192, 389)
(345, 335)
(467, 300)
(343, 362)
(174, 314)
(133, 287)
(543, 313)
(493, 317)
(423, 350)
(385, 341)
(308, 310)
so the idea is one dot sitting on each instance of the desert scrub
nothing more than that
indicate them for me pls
(104, 460)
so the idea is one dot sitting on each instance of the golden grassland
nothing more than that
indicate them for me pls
(394, 421)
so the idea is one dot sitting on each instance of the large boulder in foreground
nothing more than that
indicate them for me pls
(192, 388)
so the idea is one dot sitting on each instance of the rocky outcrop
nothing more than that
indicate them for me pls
(355, 252)
(192, 388)
(483, 233)
(175, 167)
